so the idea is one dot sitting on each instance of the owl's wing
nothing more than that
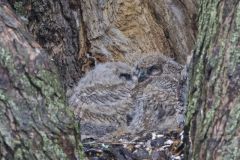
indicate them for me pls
(102, 108)
(155, 103)
(99, 94)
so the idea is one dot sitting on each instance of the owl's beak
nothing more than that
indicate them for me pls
(139, 75)
(142, 77)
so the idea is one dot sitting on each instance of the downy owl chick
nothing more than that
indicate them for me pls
(102, 99)
(157, 93)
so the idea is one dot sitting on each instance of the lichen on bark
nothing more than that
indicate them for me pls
(213, 119)
(35, 121)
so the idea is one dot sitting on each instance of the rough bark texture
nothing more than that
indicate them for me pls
(56, 25)
(35, 123)
(213, 116)
(80, 33)
(123, 28)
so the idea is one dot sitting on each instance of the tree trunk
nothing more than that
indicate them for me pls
(35, 123)
(213, 114)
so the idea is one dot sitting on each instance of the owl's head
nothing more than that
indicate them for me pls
(148, 66)
(121, 70)
(155, 65)
(173, 68)
(108, 73)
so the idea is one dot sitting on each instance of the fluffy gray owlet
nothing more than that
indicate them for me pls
(157, 96)
(103, 98)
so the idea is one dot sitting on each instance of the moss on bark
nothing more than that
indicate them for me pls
(213, 119)
(35, 122)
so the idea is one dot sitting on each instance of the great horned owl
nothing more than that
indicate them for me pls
(103, 98)
(115, 95)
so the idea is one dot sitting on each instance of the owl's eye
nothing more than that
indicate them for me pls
(153, 70)
(125, 76)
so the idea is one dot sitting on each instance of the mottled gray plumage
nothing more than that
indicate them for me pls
(115, 97)
(102, 99)
(157, 102)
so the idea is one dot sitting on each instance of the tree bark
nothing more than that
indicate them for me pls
(35, 123)
(213, 114)
(57, 26)
(80, 33)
